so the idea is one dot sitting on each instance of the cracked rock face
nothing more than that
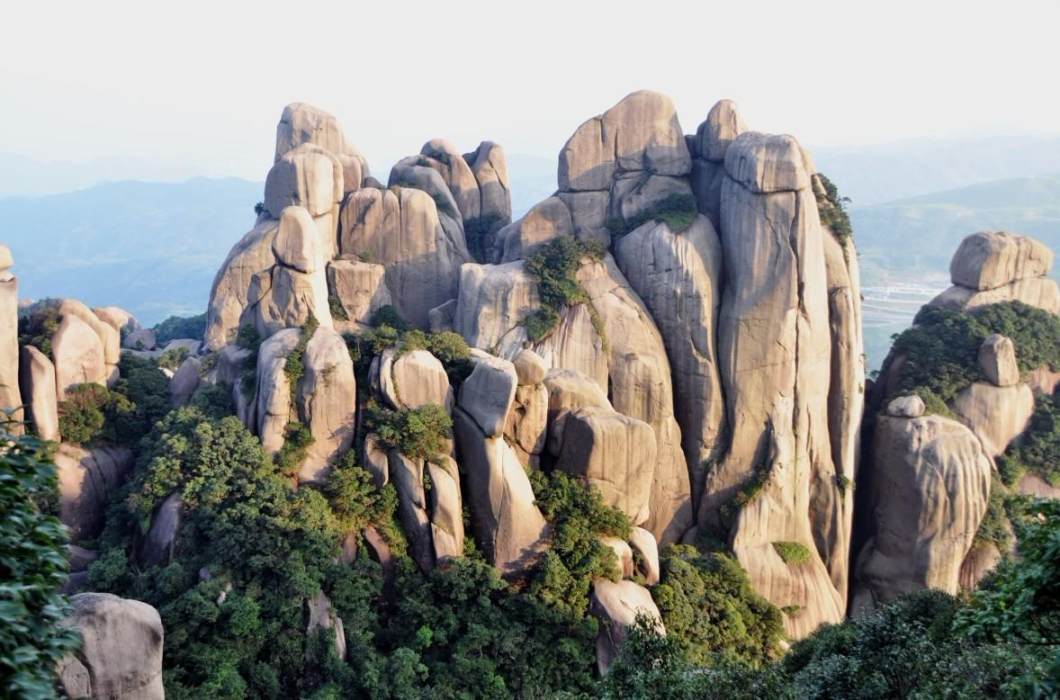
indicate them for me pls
(711, 375)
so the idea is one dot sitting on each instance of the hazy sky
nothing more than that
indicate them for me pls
(203, 83)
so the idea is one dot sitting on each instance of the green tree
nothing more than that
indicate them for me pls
(32, 571)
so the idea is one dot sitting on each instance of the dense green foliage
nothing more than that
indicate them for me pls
(92, 413)
(32, 570)
(1004, 641)
(173, 358)
(37, 326)
(294, 363)
(1038, 449)
(579, 518)
(793, 553)
(450, 348)
(418, 433)
(941, 350)
(554, 265)
(677, 211)
(831, 207)
(297, 439)
(180, 327)
(712, 613)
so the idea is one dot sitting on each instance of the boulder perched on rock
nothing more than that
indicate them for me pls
(993, 267)
(413, 379)
(120, 657)
(930, 484)
(906, 407)
(991, 259)
(997, 360)
(617, 606)
(614, 453)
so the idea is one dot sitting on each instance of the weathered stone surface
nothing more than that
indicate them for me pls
(78, 355)
(237, 285)
(647, 554)
(359, 288)
(323, 616)
(507, 524)
(765, 163)
(109, 338)
(588, 213)
(997, 360)
(678, 276)
(617, 605)
(446, 509)
(274, 410)
(37, 382)
(614, 453)
(569, 389)
(721, 127)
(289, 298)
(637, 197)
(419, 172)
(989, 260)
(156, 549)
(230, 362)
(303, 123)
(930, 487)
(1043, 380)
(774, 350)
(529, 367)
(118, 318)
(1040, 292)
(400, 229)
(375, 460)
(326, 402)
(185, 381)
(407, 476)
(440, 318)
(140, 339)
(306, 176)
(527, 421)
(995, 414)
(833, 523)
(414, 379)
(906, 407)
(487, 394)
(546, 220)
(492, 303)
(87, 479)
(297, 243)
(490, 169)
(121, 654)
(981, 560)
(10, 395)
(444, 157)
(641, 132)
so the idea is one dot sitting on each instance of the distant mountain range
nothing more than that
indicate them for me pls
(150, 247)
(154, 247)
